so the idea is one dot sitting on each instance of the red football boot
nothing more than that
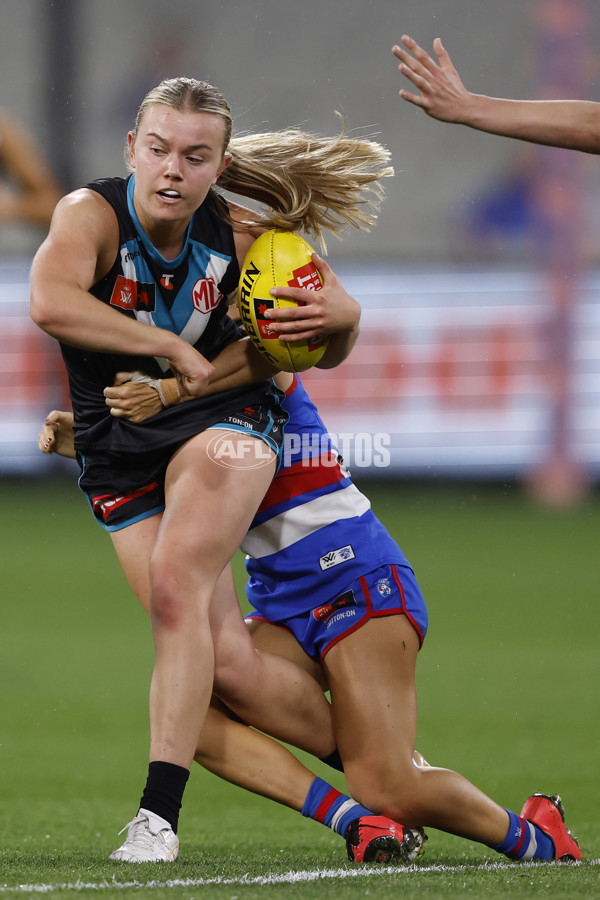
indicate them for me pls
(381, 840)
(548, 814)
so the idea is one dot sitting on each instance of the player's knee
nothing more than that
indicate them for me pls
(234, 677)
(168, 602)
(388, 787)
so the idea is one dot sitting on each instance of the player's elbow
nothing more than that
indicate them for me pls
(42, 311)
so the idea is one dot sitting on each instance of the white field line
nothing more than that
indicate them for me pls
(283, 878)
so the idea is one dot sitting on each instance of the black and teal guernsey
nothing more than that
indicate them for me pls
(187, 296)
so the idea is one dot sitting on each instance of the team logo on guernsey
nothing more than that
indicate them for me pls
(206, 296)
(383, 586)
(133, 295)
(336, 557)
(322, 613)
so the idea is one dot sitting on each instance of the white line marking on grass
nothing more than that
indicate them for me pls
(284, 878)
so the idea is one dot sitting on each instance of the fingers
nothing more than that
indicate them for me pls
(46, 439)
(308, 335)
(322, 266)
(442, 54)
(418, 60)
(122, 378)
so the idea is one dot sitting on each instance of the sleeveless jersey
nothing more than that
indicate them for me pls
(187, 296)
(315, 532)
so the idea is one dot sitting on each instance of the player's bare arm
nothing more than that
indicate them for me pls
(572, 124)
(78, 251)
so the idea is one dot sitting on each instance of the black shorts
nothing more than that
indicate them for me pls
(123, 488)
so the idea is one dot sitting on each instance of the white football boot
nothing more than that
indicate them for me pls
(150, 838)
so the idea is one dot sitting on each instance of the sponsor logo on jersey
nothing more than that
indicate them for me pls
(167, 282)
(383, 586)
(133, 295)
(344, 614)
(336, 557)
(206, 296)
(322, 613)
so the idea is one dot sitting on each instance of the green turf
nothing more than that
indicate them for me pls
(508, 694)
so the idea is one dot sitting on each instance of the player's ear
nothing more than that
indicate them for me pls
(227, 157)
(131, 148)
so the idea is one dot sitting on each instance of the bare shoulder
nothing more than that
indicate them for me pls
(86, 205)
(84, 227)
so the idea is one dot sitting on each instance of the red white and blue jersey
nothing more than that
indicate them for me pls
(315, 532)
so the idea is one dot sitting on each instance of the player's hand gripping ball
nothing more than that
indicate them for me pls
(276, 259)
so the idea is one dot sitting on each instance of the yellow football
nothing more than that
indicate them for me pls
(278, 259)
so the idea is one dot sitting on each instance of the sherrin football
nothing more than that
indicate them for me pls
(276, 259)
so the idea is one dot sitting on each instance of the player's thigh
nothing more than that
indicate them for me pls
(371, 676)
(133, 546)
(210, 506)
(269, 638)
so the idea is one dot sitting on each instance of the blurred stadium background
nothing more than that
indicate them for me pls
(480, 352)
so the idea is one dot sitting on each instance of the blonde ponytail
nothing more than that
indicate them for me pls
(307, 182)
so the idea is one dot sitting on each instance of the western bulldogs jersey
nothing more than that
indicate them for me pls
(314, 532)
(187, 296)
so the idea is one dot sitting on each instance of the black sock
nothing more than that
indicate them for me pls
(164, 791)
(334, 760)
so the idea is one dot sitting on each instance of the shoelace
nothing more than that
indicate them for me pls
(141, 837)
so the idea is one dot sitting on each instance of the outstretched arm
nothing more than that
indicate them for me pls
(572, 124)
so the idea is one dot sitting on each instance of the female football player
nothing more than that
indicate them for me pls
(326, 577)
(134, 274)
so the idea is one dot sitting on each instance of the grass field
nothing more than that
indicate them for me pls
(509, 696)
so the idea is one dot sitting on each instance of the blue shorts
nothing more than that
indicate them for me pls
(123, 489)
(387, 591)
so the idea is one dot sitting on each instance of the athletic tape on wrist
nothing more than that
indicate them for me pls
(166, 388)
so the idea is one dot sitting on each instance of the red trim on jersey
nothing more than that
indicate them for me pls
(304, 476)
(292, 386)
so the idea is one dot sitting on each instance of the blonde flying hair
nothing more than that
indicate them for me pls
(306, 182)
